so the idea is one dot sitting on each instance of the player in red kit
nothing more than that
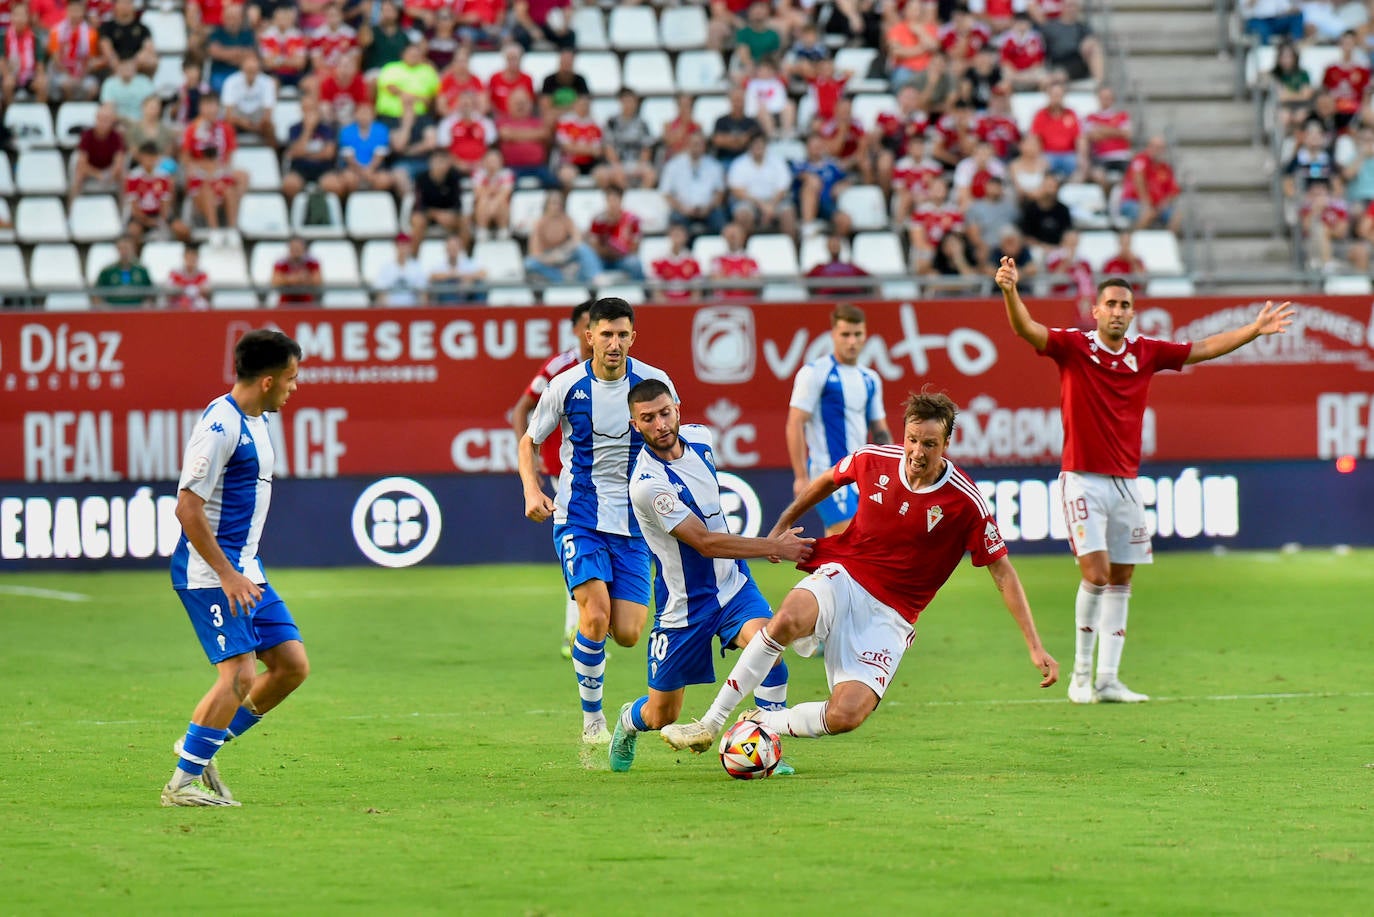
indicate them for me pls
(917, 516)
(550, 464)
(1104, 380)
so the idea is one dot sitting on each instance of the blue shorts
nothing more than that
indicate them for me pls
(839, 506)
(619, 561)
(681, 656)
(224, 636)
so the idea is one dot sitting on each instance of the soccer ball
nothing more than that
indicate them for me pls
(750, 750)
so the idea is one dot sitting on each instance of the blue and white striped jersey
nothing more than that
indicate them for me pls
(687, 586)
(842, 401)
(599, 445)
(228, 463)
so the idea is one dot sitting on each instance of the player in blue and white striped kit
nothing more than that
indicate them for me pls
(605, 563)
(702, 587)
(222, 500)
(836, 407)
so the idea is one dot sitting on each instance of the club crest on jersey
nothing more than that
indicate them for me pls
(882, 480)
(933, 515)
(663, 504)
(992, 539)
(1129, 360)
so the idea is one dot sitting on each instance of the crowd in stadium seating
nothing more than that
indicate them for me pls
(468, 144)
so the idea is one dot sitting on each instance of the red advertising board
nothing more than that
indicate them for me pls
(111, 396)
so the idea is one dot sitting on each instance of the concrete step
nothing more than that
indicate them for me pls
(1232, 254)
(1214, 168)
(1219, 121)
(1171, 76)
(1174, 32)
(1237, 213)
(1163, 6)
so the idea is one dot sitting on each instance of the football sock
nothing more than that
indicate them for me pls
(197, 749)
(244, 720)
(1087, 609)
(749, 672)
(570, 616)
(772, 693)
(632, 719)
(589, 664)
(1115, 604)
(805, 721)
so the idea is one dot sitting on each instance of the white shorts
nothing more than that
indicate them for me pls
(1103, 513)
(863, 639)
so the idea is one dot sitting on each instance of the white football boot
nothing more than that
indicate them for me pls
(1114, 692)
(1081, 689)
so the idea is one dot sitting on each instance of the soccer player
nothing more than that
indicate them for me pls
(226, 485)
(549, 464)
(702, 587)
(1104, 379)
(836, 407)
(917, 516)
(605, 562)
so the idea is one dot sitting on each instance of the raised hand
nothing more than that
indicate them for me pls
(1007, 275)
(1274, 320)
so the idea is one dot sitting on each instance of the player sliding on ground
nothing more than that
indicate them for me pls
(917, 516)
(702, 587)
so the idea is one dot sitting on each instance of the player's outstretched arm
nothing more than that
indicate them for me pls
(788, 545)
(538, 506)
(1014, 597)
(241, 592)
(1271, 320)
(1017, 313)
(820, 488)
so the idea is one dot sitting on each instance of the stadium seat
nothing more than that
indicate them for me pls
(30, 125)
(161, 258)
(346, 299)
(589, 29)
(169, 30)
(263, 259)
(95, 218)
(790, 149)
(300, 205)
(67, 302)
(40, 219)
(1347, 285)
(858, 61)
(7, 188)
(14, 278)
(649, 72)
(72, 119)
(868, 106)
(656, 112)
(565, 295)
(866, 206)
(98, 257)
(263, 215)
(605, 108)
(701, 71)
(783, 292)
(338, 262)
(775, 253)
(882, 254)
(651, 248)
(167, 79)
(1170, 286)
(1097, 248)
(601, 70)
(501, 259)
(261, 164)
(225, 265)
(1158, 248)
(511, 296)
(234, 299)
(1087, 204)
(55, 266)
(583, 204)
(6, 222)
(633, 28)
(706, 110)
(631, 293)
(650, 206)
(899, 289)
(371, 215)
(706, 248)
(1315, 59)
(682, 28)
(538, 65)
(431, 253)
(484, 64)
(1260, 61)
(526, 204)
(41, 172)
(286, 114)
(815, 250)
(376, 252)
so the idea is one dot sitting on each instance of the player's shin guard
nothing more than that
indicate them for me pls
(244, 720)
(806, 721)
(772, 693)
(749, 672)
(1115, 605)
(1087, 609)
(589, 664)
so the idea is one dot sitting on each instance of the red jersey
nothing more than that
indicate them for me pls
(486, 12)
(1001, 131)
(826, 91)
(1102, 397)
(903, 544)
(278, 46)
(1057, 132)
(1068, 275)
(953, 130)
(550, 462)
(1113, 147)
(1123, 265)
(209, 141)
(329, 46)
(287, 266)
(915, 176)
(1022, 52)
(572, 130)
(1334, 215)
(1051, 9)
(735, 264)
(938, 220)
(211, 11)
(451, 87)
(676, 271)
(500, 87)
(1160, 183)
(188, 291)
(897, 129)
(147, 191)
(467, 138)
(620, 236)
(852, 135)
(1347, 84)
(964, 47)
(344, 98)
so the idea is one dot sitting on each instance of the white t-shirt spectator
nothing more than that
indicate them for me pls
(402, 283)
(692, 184)
(760, 180)
(249, 100)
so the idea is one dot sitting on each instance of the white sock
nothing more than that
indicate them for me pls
(570, 616)
(180, 778)
(1087, 608)
(749, 671)
(1115, 604)
(805, 721)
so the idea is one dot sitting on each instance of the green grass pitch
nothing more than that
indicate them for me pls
(430, 764)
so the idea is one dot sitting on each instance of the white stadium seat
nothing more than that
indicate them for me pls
(538, 65)
(511, 296)
(858, 61)
(589, 29)
(775, 253)
(169, 30)
(501, 259)
(67, 302)
(346, 299)
(286, 114)
(866, 206)
(40, 219)
(656, 112)
(1170, 286)
(815, 250)
(263, 215)
(650, 206)
(300, 205)
(1097, 248)
(30, 125)
(880, 253)
(98, 257)
(95, 218)
(7, 188)
(706, 110)
(601, 70)
(371, 215)
(868, 106)
(604, 108)
(56, 266)
(168, 77)
(682, 28)
(234, 299)
(72, 120)
(701, 71)
(1347, 285)
(648, 72)
(41, 172)
(565, 295)
(631, 293)
(484, 64)
(1087, 204)
(526, 204)
(432, 253)
(376, 253)
(338, 262)
(651, 248)
(706, 248)
(1158, 248)
(225, 265)
(14, 278)
(263, 259)
(161, 258)
(633, 28)
(261, 164)
(583, 205)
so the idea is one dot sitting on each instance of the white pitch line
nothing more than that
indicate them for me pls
(36, 593)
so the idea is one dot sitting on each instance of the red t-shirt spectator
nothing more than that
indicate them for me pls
(485, 12)
(1058, 133)
(837, 269)
(188, 291)
(938, 220)
(851, 133)
(1335, 214)
(211, 11)
(329, 46)
(571, 130)
(827, 91)
(677, 271)
(620, 236)
(467, 138)
(964, 47)
(72, 49)
(1068, 274)
(735, 265)
(1160, 183)
(1347, 84)
(1112, 148)
(451, 87)
(1123, 264)
(101, 151)
(215, 142)
(277, 46)
(500, 87)
(913, 175)
(896, 130)
(1022, 52)
(523, 153)
(287, 266)
(147, 191)
(1001, 131)
(344, 98)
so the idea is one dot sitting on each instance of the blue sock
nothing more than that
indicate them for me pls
(244, 720)
(771, 694)
(635, 715)
(199, 747)
(589, 664)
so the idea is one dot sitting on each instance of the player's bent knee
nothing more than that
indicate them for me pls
(627, 634)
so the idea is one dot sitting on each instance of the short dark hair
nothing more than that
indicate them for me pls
(1115, 282)
(147, 147)
(580, 310)
(847, 312)
(928, 405)
(647, 390)
(611, 308)
(263, 351)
